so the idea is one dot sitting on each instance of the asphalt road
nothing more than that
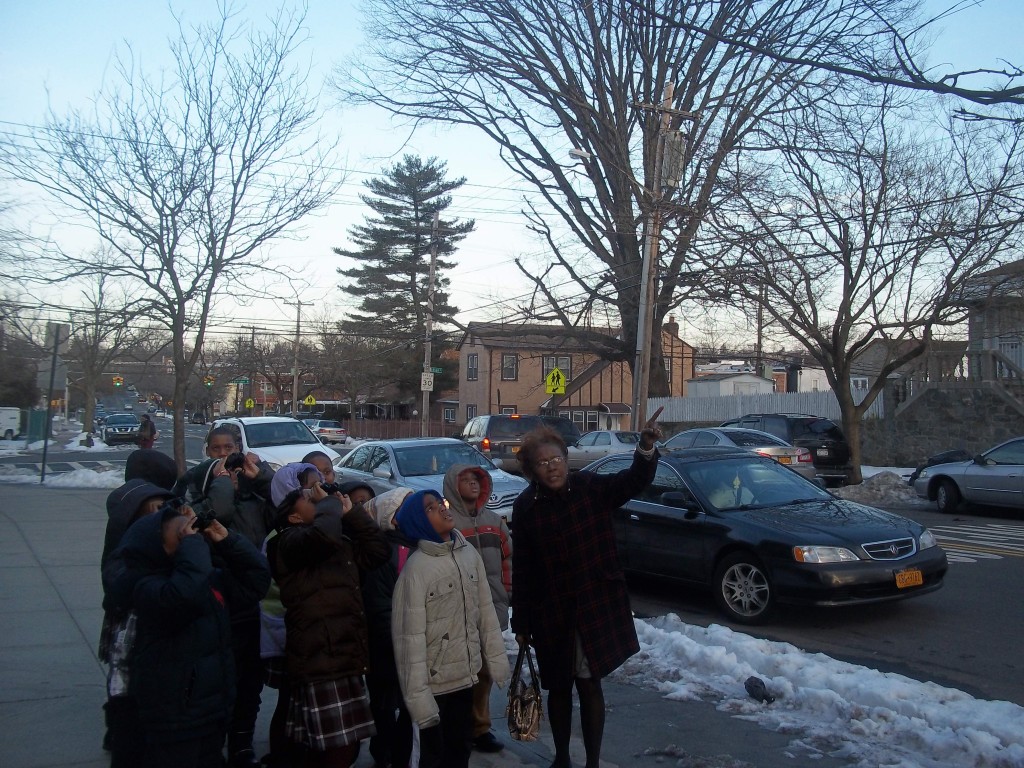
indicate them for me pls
(966, 635)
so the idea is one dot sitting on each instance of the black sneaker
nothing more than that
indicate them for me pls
(486, 742)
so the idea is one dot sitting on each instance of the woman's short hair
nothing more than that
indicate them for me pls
(532, 443)
(227, 431)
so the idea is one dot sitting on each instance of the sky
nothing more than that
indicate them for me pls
(58, 53)
(825, 705)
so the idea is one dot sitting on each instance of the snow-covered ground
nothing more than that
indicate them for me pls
(828, 706)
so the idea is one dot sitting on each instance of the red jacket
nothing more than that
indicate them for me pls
(567, 577)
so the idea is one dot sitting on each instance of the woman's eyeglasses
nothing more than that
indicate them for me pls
(552, 462)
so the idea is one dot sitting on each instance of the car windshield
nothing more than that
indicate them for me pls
(278, 433)
(509, 428)
(116, 419)
(740, 484)
(421, 460)
(748, 439)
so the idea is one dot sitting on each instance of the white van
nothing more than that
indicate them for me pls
(10, 422)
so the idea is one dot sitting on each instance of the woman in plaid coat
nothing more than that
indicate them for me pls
(569, 597)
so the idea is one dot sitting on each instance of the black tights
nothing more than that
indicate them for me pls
(591, 720)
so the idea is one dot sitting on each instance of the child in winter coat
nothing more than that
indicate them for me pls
(322, 543)
(134, 500)
(393, 742)
(444, 630)
(239, 498)
(182, 667)
(467, 489)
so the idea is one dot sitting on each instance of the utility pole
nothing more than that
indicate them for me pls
(428, 346)
(295, 369)
(670, 165)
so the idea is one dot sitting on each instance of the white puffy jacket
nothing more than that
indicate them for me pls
(443, 625)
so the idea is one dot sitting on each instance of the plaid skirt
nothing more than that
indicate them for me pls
(274, 673)
(329, 714)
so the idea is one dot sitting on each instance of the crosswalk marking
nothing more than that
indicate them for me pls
(975, 542)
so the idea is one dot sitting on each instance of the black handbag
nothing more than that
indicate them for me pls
(525, 710)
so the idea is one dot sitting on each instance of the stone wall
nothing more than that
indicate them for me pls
(972, 416)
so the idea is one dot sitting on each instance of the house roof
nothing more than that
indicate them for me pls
(724, 376)
(537, 336)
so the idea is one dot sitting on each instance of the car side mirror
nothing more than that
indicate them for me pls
(499, 463)
(980, 460)
(382, 473)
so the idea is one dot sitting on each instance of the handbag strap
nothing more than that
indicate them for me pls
(525, 652)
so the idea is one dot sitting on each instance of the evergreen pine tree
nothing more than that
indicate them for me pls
(392, 249)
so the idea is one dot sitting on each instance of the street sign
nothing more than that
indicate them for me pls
(241, 380)
(427, 382)
(554, 383)
(310, 400)
(437, 370)
(250, 403)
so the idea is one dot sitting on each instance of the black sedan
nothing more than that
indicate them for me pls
(758, 535)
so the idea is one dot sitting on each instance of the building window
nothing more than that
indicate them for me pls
(449, 414)
(472, 366)
(510, 367)
(564, 364)
(859, 383)
(592, 420)
(470, 412)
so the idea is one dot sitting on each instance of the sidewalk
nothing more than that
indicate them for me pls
(52, 686)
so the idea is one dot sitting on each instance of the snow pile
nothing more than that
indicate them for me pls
(879, 490)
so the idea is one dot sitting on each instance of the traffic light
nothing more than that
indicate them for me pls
(208, 381)
(118, 381)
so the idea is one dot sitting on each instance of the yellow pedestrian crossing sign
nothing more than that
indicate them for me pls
(250, 403)
(310, 400)
(554, 383)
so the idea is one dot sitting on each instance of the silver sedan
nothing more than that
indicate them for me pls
(798, 459)
(600, 443)
(995, 477)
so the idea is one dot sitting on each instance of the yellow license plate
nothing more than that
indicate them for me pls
(784, 460)
(909, 578)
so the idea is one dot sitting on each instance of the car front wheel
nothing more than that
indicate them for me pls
(947, 496)
(743, 590)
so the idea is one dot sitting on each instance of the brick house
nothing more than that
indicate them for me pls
(503, 367)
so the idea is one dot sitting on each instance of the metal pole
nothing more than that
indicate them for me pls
(428, 347)
(49, 399)
(645, 310)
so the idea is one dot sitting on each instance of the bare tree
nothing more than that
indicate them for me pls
(100, 333)
(541, 77)
(900, 67)
(867, 228)
(188, 176)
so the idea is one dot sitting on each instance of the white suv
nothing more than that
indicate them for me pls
(276, 440)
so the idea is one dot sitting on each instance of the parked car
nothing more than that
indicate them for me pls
(498, 436)
(995, 477)
(822, 437)
(758, 536)
(198, 417)
(10, 422)
(600, 443)
(120, 428)
(276, 440)
(421, 463)
(328, 431)
(754, 440)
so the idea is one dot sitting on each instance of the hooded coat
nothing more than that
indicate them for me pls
(486, 531)
(316, 567)
(379, 584)
(568, 579)
(443, 625)
(182, 666)
(246, 510)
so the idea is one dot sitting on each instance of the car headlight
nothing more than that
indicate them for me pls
(928, 539)
(814, 554)
(274, 465)
(923, 473)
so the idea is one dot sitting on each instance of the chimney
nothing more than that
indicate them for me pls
(671, 326)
